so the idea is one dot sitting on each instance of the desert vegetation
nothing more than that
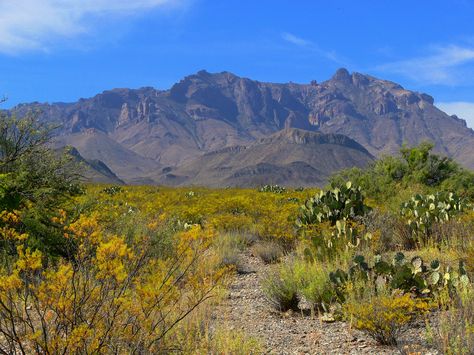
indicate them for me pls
(141, 269)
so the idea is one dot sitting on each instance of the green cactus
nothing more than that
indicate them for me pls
(190, 194)
(422, 211)
(112, 190)
(409, 276)
(333, 205)
(273, 188)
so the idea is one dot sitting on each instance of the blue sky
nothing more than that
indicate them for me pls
(62, 50)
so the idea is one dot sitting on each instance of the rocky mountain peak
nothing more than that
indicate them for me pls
(342, 75)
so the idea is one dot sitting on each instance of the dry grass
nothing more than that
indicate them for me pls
(270, 252)
(453, 330)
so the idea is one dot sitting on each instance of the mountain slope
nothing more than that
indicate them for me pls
(95, 145)
(291, 156)
(94, 170)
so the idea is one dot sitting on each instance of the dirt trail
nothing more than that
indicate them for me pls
(247, 309)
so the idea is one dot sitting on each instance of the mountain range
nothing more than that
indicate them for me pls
(221, 129)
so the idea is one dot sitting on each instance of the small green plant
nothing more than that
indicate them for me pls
(281, 288)
(314, 283)
(277, 189)
(234, 342)
(228, 246)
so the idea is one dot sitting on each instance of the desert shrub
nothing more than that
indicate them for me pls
(268, 251)
(276, 221)
(427, 168)
(232, 222)
(280, 287)
(462, 182)
(452, 331)
(228, 247)
(454, 234)
(113, 298)
(468, 257)
(384, 316)
(35, 182)
(388, 230)
(199, 334)
(315, 284)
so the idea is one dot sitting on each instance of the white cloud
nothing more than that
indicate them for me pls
(312, 47)
(35, 24)
(295, 39)
(444, 65)
(464, 110)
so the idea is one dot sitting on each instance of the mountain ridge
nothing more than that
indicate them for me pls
(206, 112)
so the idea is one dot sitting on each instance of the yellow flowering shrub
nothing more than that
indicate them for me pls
(113, 296)
(384, 316)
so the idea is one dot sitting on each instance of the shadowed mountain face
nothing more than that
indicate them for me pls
(140, 132)
(94, 170)
(291, 157)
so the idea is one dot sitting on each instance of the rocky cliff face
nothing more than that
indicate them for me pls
(206, 112)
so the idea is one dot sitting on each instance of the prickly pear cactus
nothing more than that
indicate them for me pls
(333, 205)
(407, 275)
(277, 189)
(422, 211)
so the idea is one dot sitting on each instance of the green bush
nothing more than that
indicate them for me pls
(314, 283)
(268, 251)
(414, 167)
(36, 182)
(280, 287)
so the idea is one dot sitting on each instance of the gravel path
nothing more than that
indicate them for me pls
(246, 309)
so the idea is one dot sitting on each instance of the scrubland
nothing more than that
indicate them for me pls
(141, 269)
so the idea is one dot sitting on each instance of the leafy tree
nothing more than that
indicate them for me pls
(34, 179)
(427, 168)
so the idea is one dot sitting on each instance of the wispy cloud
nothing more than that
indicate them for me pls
(311, 46)
(461, 109)
(35, 25)
(445, 65)
(296, 40)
